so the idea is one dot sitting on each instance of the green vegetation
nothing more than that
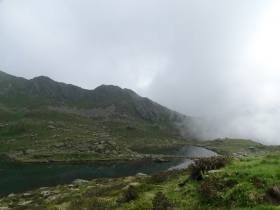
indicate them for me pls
(242, 147)
(42, 120)
(44, 135)
(246, 183)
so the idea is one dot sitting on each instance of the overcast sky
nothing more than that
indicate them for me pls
(216, 59)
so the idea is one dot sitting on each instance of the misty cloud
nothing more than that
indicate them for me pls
(213, 59)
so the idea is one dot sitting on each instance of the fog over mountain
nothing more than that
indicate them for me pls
(218, 60)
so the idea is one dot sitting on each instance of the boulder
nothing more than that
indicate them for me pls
(141, 175)
(79, 181)
(100, 147)
(114, 152)
(45, 193)
(158, 160)
(23, 203)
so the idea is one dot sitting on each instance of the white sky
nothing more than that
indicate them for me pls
(218, 59)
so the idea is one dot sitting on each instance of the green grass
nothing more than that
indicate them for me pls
(243, 184)
(30, 131)
(229, 146)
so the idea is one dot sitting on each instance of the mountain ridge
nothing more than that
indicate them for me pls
(39, 115)
(50, 92)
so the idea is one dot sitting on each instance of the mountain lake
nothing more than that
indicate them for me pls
(18, 177)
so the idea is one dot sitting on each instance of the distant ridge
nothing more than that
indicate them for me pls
(43, 91)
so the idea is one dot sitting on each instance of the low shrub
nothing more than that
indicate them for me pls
(201, 165)
(144, 187)
(258, 183)
(92, 204)
(130, 194)
(242, 195)
(164, 176)
(212, 190)
(98, 204)
(103, 190)
(75, 205)
(161, 202)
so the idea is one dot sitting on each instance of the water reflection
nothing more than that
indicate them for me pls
(16, 177)
(195, 151)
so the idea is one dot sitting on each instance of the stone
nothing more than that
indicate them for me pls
(4, 208)
(60, 145)
(51, 127)
(11, 195)
(100, 146)
(113, 143)
(54, 197)
(214, 171)
(45, 193)
(138, 156)
(114, 152)
(23, 203)
(158, 159)
(79, 181)
(141, 175)
(26, 194)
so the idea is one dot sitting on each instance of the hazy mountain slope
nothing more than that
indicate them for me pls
(40, 118)
(42, 91)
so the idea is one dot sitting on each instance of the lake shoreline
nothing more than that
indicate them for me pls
(157, 157)
(19, 176)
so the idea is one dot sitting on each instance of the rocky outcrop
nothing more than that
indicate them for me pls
(94, 146)
(88, 113)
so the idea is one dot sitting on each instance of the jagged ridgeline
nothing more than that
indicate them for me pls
(52, 113)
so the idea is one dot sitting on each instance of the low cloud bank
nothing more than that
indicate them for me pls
(259, 127)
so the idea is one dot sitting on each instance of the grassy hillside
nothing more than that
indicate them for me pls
(43, 120)
(239, 147)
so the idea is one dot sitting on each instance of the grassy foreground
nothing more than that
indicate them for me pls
(244, 183)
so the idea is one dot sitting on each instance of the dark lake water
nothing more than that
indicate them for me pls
(17, 177)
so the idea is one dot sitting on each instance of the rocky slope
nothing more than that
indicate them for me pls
(55, 113)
